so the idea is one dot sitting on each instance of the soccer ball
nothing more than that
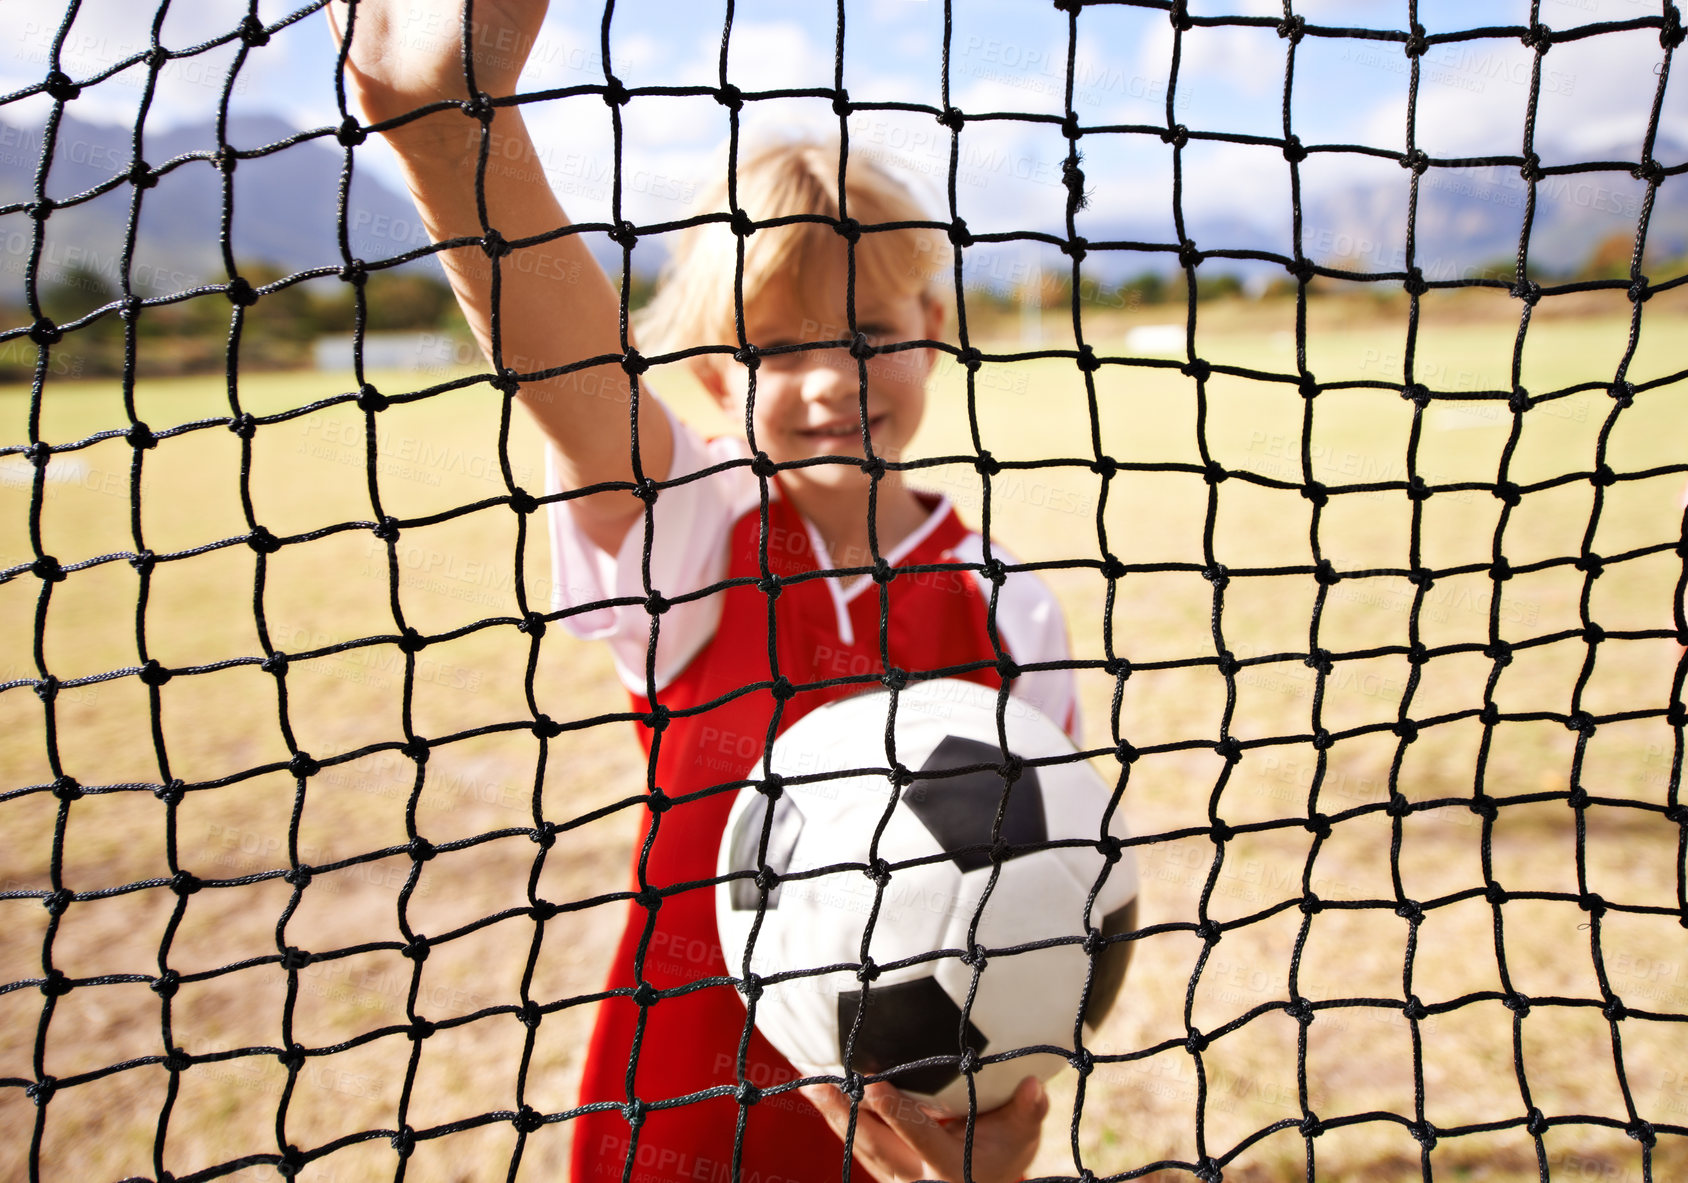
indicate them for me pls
(801, 863)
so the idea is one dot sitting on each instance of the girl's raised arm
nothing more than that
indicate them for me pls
(555, 308)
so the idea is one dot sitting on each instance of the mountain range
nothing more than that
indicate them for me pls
(286, 212)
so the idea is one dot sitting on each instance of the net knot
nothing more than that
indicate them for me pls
(1219, 830)
(1417, 394)
(176, 1060)
(771, 586)
(1308, 386)
(1614, 1010)
(166, 983)
(253, 33)
(1195, 1042)
(1227, 664)
(1302, 269)
(404, 1141)
(648, 898)
(615, 94)
(1323, 740)
(1180, 16)
(45, 332)
(1076, 247)
(763, 466)
(154, 674)
(952, 118)
(658, 802)
(1311, 1126)
(1188, 254)
(1639, 292)
(1113, 569)
(1415, 283)
(1507, 491)
(861, 348)
(411, 641)
(841, 103)
(39, 453)
(625, 234)
(868, 971)
(895, 679)
(1198, 369)
(1623, 393)
(1105, 467)
(959, 234)
(1293, 29)
(1398, 806)
(350, 133)
(1411, 911)
(420, 1029)
(1210, 931)
(1581, 722)
(975, 957)
(1593, 633)
(1217, 574)
(874, 468)
(1591, 565)
(299, 877)
(60, 88)
(1317, 824)
(1301, 1010)
(372, 400)
(415, 748)
(1315, 492)
(766, 879)
(57, 901)
(751, 988)
(240, 292)
(1082, 1061)
(1424, 1133)
(1642, 1131)
(1677, 715)
(527, 1119)
(1489, 716)
(1416, 45)
(1311, 904)
(545, 837)
(1407, 730)
(141, 176)
(262, 541)
(1124, 752)
(1500, 570)
(1177, 135)
(47, 569)
(1538, 37)
(1294, 151)
(1519, 401)
(1528, 291)
(1593, 904)
(747, 1094)
(1319, 659)
(879, 873)
(730, 97)
(1670, 30)
(55, 984)
(634, 363)
(421, 850)
(848, 229)
(41, 210)
(1536, 1122)
(494, 245)
(541, 910)
(67, 789)
(646, 995)
(1326, 575)
(994, 571)
(1417, 654)
(140, 437)
(1418, 160)
(1677, 813)
(645, 490)
(1530, 170)
(293, 1058)
(47, 688)
(1087, 360)
(656, 603)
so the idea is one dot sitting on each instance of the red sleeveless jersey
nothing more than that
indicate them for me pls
(687, 1044)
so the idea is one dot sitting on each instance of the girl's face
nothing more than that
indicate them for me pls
(809, 402)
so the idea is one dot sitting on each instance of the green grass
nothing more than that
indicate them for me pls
(308, 474)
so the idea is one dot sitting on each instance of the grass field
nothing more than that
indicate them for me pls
(308, 473)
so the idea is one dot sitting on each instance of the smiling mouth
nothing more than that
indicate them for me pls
(842, 430)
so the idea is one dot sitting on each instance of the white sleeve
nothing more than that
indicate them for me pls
(1033, 630)
(690, 529)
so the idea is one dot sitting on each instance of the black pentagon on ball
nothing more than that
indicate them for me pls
(743, 894)
(1111, 960)
(906, 1022)
(960, 810)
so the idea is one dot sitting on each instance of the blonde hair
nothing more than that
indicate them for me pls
(694, 300)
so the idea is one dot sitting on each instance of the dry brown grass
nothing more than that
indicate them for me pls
(308, 473)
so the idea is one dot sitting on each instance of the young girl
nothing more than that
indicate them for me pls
(719, 668)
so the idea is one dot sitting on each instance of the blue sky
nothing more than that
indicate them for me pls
(1007, 55)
